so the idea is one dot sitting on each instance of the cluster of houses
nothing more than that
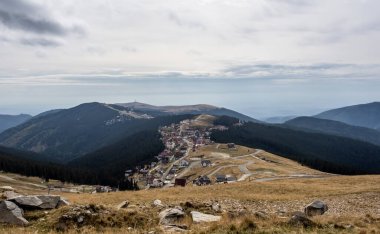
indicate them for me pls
(219, 179)
(179, 140)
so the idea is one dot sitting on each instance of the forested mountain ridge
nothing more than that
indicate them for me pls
(335, 128)
(70, 133)
(364, 115)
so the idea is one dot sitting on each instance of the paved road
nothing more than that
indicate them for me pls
(190, 146)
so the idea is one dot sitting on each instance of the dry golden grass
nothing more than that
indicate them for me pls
(281, 190)
(274, 192)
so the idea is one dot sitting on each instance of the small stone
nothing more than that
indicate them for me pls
(80, 219)
(316, 208)
(157, 203)
(199, 217)
(171, 215)
(123, 205)
(216, 207)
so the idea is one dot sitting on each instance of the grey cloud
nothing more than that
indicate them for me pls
(21, 15)
(39, 42)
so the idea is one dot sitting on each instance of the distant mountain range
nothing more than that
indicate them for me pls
(9, 121)
(364, 115)
(108, 137)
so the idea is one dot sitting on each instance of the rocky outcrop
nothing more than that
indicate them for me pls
(316, 208)
(37, 202)
(171, 215)
(10, 213)
(199, 217)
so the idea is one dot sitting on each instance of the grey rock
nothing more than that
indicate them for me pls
(12, 214)
(199, 217)
(171, 215)
(37, 202)
(216, 207)
(80, 219)
(316, 208)
(157, 203)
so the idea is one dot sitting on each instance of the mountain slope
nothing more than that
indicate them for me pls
(9, 121)
(364, 115)
(336, 128)
(129, 152)
(320, 151)
(279, 119)
(73, 132)
(189, 109)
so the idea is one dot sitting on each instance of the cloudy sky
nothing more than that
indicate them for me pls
(260, 57)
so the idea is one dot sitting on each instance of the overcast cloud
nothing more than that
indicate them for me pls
(295, 44)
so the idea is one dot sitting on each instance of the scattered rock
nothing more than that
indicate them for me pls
(316, 208)
(216, 207)
(199, 217)
(171, 215)
(80, 219)
(6, 188)
(300, 219)
(123, 205)
(12, 214)
(10, 194)
(157, 203)
(37, 202)
(261, 215)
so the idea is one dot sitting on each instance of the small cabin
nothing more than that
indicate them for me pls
(180, 182)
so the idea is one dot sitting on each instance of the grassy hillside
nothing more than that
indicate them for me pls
(353, 204)
(321, 151)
